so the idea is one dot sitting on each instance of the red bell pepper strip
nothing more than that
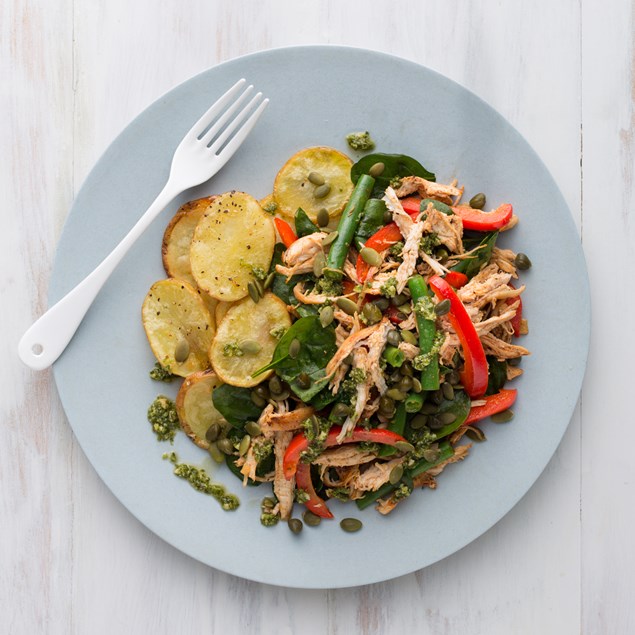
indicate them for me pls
(314, 503)
(411, 205)
(502, 400)
(287, 235)
(383, 238)
(484, 221)
(456, 279)
(300, 443)
(474, 374)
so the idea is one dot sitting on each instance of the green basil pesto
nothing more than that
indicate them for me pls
(198, 478)
(268, 519)
(163, 418)
(396, 249)
(301, 496)
(161, 373)
(360, 141)
(428, 243)
(316, 430)
(422, 360)
(389, 288)
(424, 308)
(232, 350)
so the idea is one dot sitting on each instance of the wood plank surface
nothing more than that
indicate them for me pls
(74, 73)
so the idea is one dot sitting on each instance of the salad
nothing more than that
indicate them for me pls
(339, 338)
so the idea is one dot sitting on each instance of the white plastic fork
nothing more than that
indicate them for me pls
(202, 153)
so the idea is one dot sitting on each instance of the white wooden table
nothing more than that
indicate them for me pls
(73, 73)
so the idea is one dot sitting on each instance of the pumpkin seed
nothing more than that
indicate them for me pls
(418, 422)
(448, 391)
(322, 191)
(386, 405)
(443, 307)
(406, 369)
(416, 385)
(294, 348)
(437, 397)
(250, 347)
(262, 391)
(351, 524)
(502, 417)
(327, 240)
(396, 394)
(225, 446)
(257, 400)
(381, 303)
(446, 418)
(275, 385)
(434, 423)
(393, 338)
(347, 305)
(371, 313)
(442, 253)
(522, 261)
(395, 474)
(181, 350)
(409, 337)
(376, 169)
(311, 519)
(269, 279)
(319, 262)
(404, 446)
(399, 299)
(268, 503)
(253, 428)
(431, 454)
(405, 384)
(477, 201)
(215, 453)
(453, 377)
(371, 257)
(244, 445)
(428, 409)
(476, 434)
(212, 432)
(326, 315)
(341, 409)
(280, 396)
(253, 292)
(295, 525)
(304, 381)
(322, 217)
(316, 178)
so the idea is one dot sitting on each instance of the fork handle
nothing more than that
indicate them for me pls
(47, 338)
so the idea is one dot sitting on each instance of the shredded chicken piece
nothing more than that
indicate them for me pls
(500, 349)
(460, 452)
(404, 220)
(350, 271)
(488, 286)
(374, 476)
(427, 189)
(449, 229)
(448, 349)
(371, 408)
(410, 351)
(347, 346)
(410, 323)
(309, 298)
(343, 456)
(497, 320)
(276, 422)
(283, 488)
(409, 255)
(434, 265)
(360, 360)
(376, 343)
(513, 221)
(513, 372)
(504, 260)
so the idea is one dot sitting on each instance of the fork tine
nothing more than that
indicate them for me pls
(218, 125)
(235, 124)
(214, 109)
(233, 145)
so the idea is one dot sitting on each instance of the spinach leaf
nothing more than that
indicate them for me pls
(395, 166)
(471, 266)
(497, 375)
(323, 398)
(438, 205)
(303, 224)
(280, 286)
(235, 404)
(317, 346)
(372, 220)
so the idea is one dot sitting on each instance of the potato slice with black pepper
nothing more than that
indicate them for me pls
(195, 407)
(234, 238)
(178, 326)
(246, 338)
(328, 187)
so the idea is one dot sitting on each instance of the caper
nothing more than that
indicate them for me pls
(181, 351)
(376, 169)
(257, 400)
(316, 178)
(386, 404)
(268, 503)
(395, 474)
(446, 418)
(522, 261)
(437, 397)
(404, 446)
(396, 394)
(418, 422)
(262, 391)
(502, 417)
(399, 299)
(253, 428)
(322, 217)
(350, 524)
(294, 348)
(321, 191)
(381, 303)
(387, 217)
(453, 377)
(476, 434)
(269, 279)
(514, 361)
(395, 376)
(244, 445)
(213, 432)
(311, 519)
(327, 240)
(319, 262)
(442, 253)
(253, 292)
(304, 381)
(295, 525)
(407, 369)
(401, 316)
(215, 453)
(341, 410)
(326, 315)
(448, 391)
(443, 307)
(405, 384)
(416, 385)
(428, 409)
(434, 422)
(275, 385)
(431, 454)
(371, 313)
(477, 201)
(347, 305)
(225, 446)
(371, 257)
(393, 338)
(409, 337)
(280, 396)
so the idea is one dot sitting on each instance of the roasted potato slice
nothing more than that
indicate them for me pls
(246, 338)
(177, 323)
(234, 237)
(195, 407)
(292, 188)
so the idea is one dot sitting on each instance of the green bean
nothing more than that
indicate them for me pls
(427, 333)
(413, 402)
(397, 424)
(393, 356)
(347, 226)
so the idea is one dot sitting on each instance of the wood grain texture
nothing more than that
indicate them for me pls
(74, 73)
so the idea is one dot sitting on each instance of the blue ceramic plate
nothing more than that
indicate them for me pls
(318, 95)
